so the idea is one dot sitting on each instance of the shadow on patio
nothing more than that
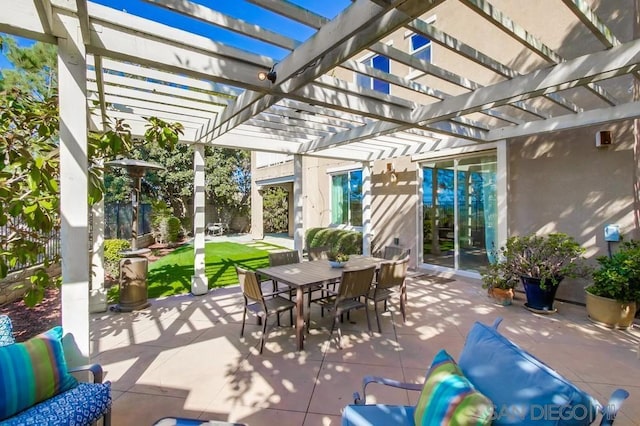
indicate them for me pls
(183, 356)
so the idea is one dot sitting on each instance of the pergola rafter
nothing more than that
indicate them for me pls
(155, 66)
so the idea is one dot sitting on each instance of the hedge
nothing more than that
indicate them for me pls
(339, 240)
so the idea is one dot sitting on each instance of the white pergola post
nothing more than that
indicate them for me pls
(257, 220)
(98, 294)
(366, 208)
(74, 205)
(298, 218)
(199, 285)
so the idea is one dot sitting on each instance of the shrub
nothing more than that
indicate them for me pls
(549, 257)
(173, 229)
(619, 275)
(338, 240)
(112, 249)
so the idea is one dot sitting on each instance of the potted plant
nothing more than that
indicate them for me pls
(611, 299)
(499, 286)
(337, 259)
(540, 263)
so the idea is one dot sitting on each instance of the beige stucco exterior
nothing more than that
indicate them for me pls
(555, 182)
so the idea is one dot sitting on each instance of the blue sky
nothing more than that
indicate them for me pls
(236, 8)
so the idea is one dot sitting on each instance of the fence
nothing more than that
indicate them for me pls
(51, 247)
(117, 220)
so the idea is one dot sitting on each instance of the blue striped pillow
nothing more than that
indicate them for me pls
(448, 398)
(32, 371)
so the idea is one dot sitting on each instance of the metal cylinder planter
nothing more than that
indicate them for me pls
(610, 312)
(133, 284)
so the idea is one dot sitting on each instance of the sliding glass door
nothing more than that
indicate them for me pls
(460, 212)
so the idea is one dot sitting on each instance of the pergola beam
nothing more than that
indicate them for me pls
(602, 65)
(350, 32)
(518, 33)
(210, 16)
(451, 43)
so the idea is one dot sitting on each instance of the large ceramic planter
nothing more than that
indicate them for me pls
(502, 296)
(539, 299)
(610, 312)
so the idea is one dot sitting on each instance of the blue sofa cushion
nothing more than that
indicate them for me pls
(6, 331)
(522, 388)
(378, 414)
(81, 405)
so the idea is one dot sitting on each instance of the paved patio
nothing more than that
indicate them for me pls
(183, 356)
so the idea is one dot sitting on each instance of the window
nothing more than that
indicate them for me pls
(346, 198)
(378, 62)
(421, 47)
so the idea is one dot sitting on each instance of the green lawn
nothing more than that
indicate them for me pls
(172, 273)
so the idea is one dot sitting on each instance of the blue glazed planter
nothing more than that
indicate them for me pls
(537, 298)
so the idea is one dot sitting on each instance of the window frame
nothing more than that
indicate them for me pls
(343, 172)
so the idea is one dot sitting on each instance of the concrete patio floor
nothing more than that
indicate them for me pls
(183, 356)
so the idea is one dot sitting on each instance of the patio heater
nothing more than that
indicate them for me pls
(133, 265)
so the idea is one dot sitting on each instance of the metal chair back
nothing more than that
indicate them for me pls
(355, 283)
(319, 253)
(392, 274)
(284, 258)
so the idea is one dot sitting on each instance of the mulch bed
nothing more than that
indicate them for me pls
(29, 322)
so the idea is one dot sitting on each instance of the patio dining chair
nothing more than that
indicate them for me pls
(391, 278)
(262, 305)
(395, 253)
(319, 253)
(354, 284)
(283, 258)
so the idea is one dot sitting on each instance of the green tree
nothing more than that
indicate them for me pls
(29, 176)
(276, 210)
(34, 67)
(228, 180)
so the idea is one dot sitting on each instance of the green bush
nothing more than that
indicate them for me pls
(173, 229)
(619, 275)
(112, 249)
(338, 240)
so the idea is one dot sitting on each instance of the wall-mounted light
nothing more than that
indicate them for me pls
(391, 171)
(271, 75)
(603, 139)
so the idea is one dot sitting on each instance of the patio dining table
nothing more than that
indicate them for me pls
(307, 275)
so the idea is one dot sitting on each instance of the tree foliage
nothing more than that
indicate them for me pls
(30, 174)
(276, 210)
(34, 68)
(228, 179)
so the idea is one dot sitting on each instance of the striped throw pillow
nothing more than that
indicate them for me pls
(32, 371)
(448, 398)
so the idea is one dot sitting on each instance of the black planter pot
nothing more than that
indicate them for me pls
(539, 299)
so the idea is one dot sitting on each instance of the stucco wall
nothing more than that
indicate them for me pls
(394, 206)
(563, 183)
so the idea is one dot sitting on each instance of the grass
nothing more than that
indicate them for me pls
(171, 274)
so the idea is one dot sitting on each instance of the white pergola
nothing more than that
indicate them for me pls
(132, 67)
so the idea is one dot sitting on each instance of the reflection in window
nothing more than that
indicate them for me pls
(421, 47)
(346, 198)
(378, 62)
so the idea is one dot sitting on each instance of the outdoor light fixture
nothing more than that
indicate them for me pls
(391, 170)
(271, 75)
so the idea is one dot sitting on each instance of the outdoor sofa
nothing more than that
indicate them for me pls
(494, 382)
(36, 388)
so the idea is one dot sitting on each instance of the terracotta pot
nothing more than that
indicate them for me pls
(610, 312)
(502, 296)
